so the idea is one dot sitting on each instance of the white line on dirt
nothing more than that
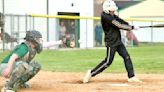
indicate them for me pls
(120, 85)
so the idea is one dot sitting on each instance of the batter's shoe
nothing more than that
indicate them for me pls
(4, 89)
(87, 76)
(134, 79)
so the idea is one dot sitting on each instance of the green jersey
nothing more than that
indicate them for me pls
(21, 50)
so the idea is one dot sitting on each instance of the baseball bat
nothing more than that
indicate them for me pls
(154, 26)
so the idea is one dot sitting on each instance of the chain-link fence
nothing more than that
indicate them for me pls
(75, 31)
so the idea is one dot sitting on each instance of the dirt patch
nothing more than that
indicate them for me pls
(105, 82)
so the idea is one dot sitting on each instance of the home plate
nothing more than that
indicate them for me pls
(120, 85)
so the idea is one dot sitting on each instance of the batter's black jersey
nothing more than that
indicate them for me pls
(111, 25)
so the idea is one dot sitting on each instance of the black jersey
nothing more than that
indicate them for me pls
(111, 25)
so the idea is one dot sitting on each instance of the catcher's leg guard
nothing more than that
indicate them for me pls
(32, 70)
(16, 74)
(22, 73)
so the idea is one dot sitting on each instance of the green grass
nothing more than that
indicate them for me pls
(146, 59)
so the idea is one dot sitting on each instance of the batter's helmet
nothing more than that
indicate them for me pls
(109, 5)
(34, 36)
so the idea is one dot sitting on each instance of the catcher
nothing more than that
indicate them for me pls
(112, 24)
(19, 65)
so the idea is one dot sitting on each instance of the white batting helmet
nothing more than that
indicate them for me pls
(109, 5)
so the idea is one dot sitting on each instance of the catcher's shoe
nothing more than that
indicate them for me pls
(134, 79)
(87, 76)
(7, 90)
(24, 85)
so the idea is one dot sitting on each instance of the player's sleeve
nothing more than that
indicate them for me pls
(51, 43)
(121, 20)
(121, 24)
(21, 51)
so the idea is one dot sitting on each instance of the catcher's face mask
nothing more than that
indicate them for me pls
(38, 44)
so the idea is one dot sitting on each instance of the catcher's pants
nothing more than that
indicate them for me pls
(110, 53)
(4, 65)
(21, 73)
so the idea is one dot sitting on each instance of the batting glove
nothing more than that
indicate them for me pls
(136, 27)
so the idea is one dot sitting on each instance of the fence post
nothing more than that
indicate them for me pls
(2, 24)
(151, 32)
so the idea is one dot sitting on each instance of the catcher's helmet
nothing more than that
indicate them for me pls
(109, 5)
(35, 37)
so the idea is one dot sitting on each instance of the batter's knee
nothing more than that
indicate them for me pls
(127, 58)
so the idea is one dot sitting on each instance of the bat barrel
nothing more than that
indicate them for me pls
(154, 26)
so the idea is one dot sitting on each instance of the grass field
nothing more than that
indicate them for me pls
(64, 69)
(146, 59)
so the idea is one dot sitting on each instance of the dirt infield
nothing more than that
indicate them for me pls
(104, 82)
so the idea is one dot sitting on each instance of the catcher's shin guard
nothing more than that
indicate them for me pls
(32, 70)
(22, 73)
(16, 74)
